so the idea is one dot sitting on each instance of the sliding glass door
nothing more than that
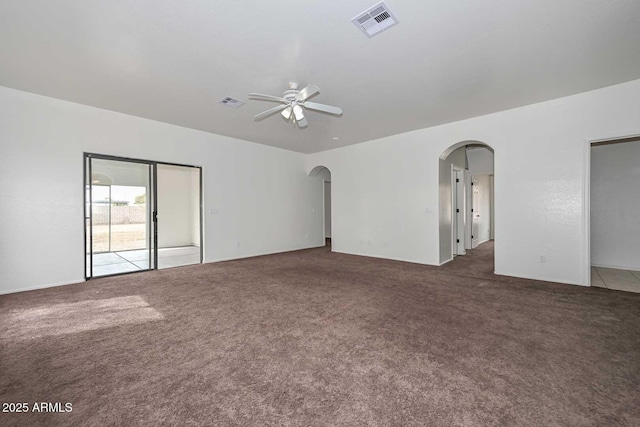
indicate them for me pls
(140, 215)
(119, 215)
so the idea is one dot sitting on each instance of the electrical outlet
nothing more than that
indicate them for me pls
(543, 259)
(237, 244)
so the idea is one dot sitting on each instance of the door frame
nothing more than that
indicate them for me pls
(586, 196)
(459, 173)
(324, 211)
(153, 179)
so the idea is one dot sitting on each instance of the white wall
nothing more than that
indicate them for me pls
(177, 198)
(480, 160)
(386, 191)
(615, 205)
(327, 209)
(263, 196)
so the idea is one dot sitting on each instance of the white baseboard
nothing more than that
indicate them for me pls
(384, 257)
(251, 255)
(445, 261)
(73, 282)
(33, 288)
(617, 267)
(540, 279)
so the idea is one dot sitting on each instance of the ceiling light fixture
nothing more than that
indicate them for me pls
(286, 113)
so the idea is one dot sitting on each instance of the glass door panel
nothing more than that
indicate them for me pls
(118, 216)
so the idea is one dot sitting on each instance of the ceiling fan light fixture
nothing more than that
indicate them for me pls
(293, 102)
(286, 113)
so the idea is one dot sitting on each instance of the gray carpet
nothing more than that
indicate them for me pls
(317, 338)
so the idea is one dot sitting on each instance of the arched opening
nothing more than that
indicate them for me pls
(324, 176)
(466, 200)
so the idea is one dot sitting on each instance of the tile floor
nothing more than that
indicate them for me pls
(136, 260)
(611, 278)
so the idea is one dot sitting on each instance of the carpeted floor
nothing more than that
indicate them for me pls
(318, 338)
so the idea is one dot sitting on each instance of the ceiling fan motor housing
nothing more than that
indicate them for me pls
(290, 95)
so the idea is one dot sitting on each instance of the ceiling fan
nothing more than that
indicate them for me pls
(292, 102)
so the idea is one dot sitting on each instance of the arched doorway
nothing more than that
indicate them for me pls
(323, 174)
(466, 198)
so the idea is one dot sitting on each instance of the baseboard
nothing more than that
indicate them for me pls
(34, 288)
(616, 267)
(384, 257)
(233, 258)
(53, 285)
(444, 262)
(540, 279)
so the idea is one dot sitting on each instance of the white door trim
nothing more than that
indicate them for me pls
(457, 248)
(586, 197)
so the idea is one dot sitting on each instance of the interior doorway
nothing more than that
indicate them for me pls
(614, 207)
(124, 199)
(466, 198)
(323, 175)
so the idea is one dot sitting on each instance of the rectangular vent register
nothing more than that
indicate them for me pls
(231, 102)
(375, 20)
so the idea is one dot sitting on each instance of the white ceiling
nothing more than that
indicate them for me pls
(173, 61)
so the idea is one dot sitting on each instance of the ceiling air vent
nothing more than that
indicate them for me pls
(375, 20)
(231, 102)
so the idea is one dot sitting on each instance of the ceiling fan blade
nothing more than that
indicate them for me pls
(321, 107)
(267, 97)
(269, 112)
(307, 92)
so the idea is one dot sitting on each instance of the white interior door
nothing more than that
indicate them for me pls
(475, 213)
